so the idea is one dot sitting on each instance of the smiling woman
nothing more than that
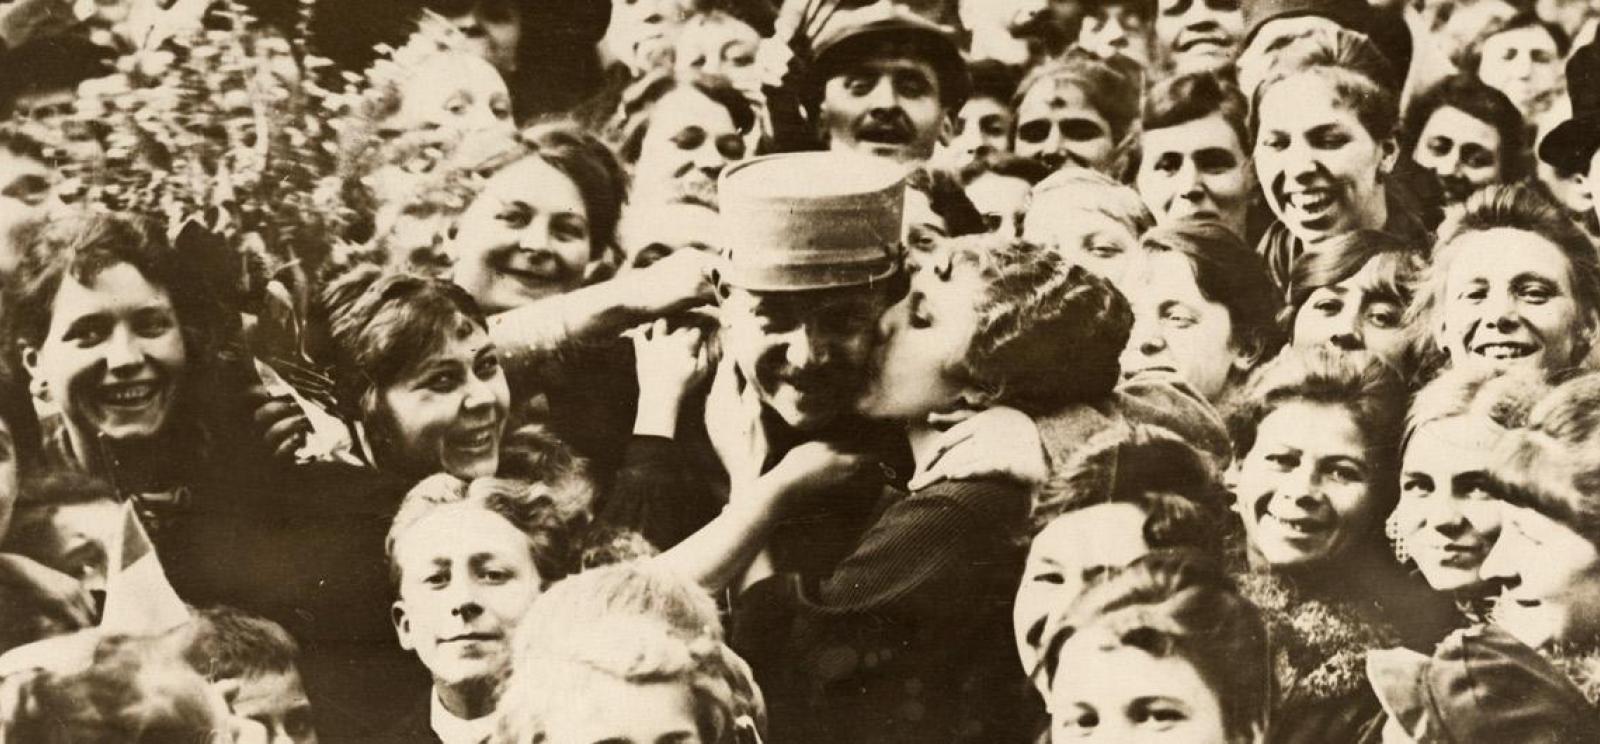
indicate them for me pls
(1314, 477)
(414, 367)
(1482, 305)
(108, 329)
(548, 211)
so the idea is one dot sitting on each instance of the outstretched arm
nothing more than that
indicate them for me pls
(535, 335)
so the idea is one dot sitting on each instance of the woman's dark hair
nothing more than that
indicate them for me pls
(993, 79)
(1195, 96)
(584, 159)
(1049, 333)
(1229, 273)
(1469, 95)
(1176, 486)
(16, 412)
(1472, 56)
(1399, 268)
(379, 324)
(1363, 386)
(83, 245)
(1174, 604)
(628, 128)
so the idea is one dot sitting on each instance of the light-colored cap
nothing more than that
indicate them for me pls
(810, 220)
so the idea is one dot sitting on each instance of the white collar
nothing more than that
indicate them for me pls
(452, 729)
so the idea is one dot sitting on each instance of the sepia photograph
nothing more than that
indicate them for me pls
(799, 372)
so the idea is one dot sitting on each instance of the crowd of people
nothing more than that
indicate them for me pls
(733, 371)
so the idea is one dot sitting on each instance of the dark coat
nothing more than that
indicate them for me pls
(907, 637)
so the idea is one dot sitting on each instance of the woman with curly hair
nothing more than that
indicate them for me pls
(415, 373)
(116, 331)
(1314, 477)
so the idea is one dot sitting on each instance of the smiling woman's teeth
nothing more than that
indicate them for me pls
(1299, 527)
(1310, 201)
(1504, 351)
(481, 439)
(130, 394)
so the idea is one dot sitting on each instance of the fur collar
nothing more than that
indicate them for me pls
(1319, 646)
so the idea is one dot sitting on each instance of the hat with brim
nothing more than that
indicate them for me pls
(1572, 143)
(809, 221)
(857, 34)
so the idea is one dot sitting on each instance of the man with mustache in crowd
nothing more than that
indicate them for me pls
(811, 257)
(890, 82)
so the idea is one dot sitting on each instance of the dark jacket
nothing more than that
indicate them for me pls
(907, 637)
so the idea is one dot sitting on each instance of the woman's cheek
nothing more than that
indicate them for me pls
(1352, 503)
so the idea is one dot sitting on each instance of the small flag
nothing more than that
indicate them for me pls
(139, 599)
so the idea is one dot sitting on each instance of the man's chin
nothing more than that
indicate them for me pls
(459, 670)
(803, 412)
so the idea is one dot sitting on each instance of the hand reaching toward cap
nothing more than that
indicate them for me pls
(670, 365)
(733, 423)
(678, 282)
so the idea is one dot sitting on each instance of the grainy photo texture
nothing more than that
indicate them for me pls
(799, 372)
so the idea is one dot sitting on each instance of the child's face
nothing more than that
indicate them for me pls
(77, 540)
(275, 700)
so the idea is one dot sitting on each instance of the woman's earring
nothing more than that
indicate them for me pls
(1397, 540)
(38, 388)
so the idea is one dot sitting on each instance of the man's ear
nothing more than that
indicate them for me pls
(947, 127)
(402, 624)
